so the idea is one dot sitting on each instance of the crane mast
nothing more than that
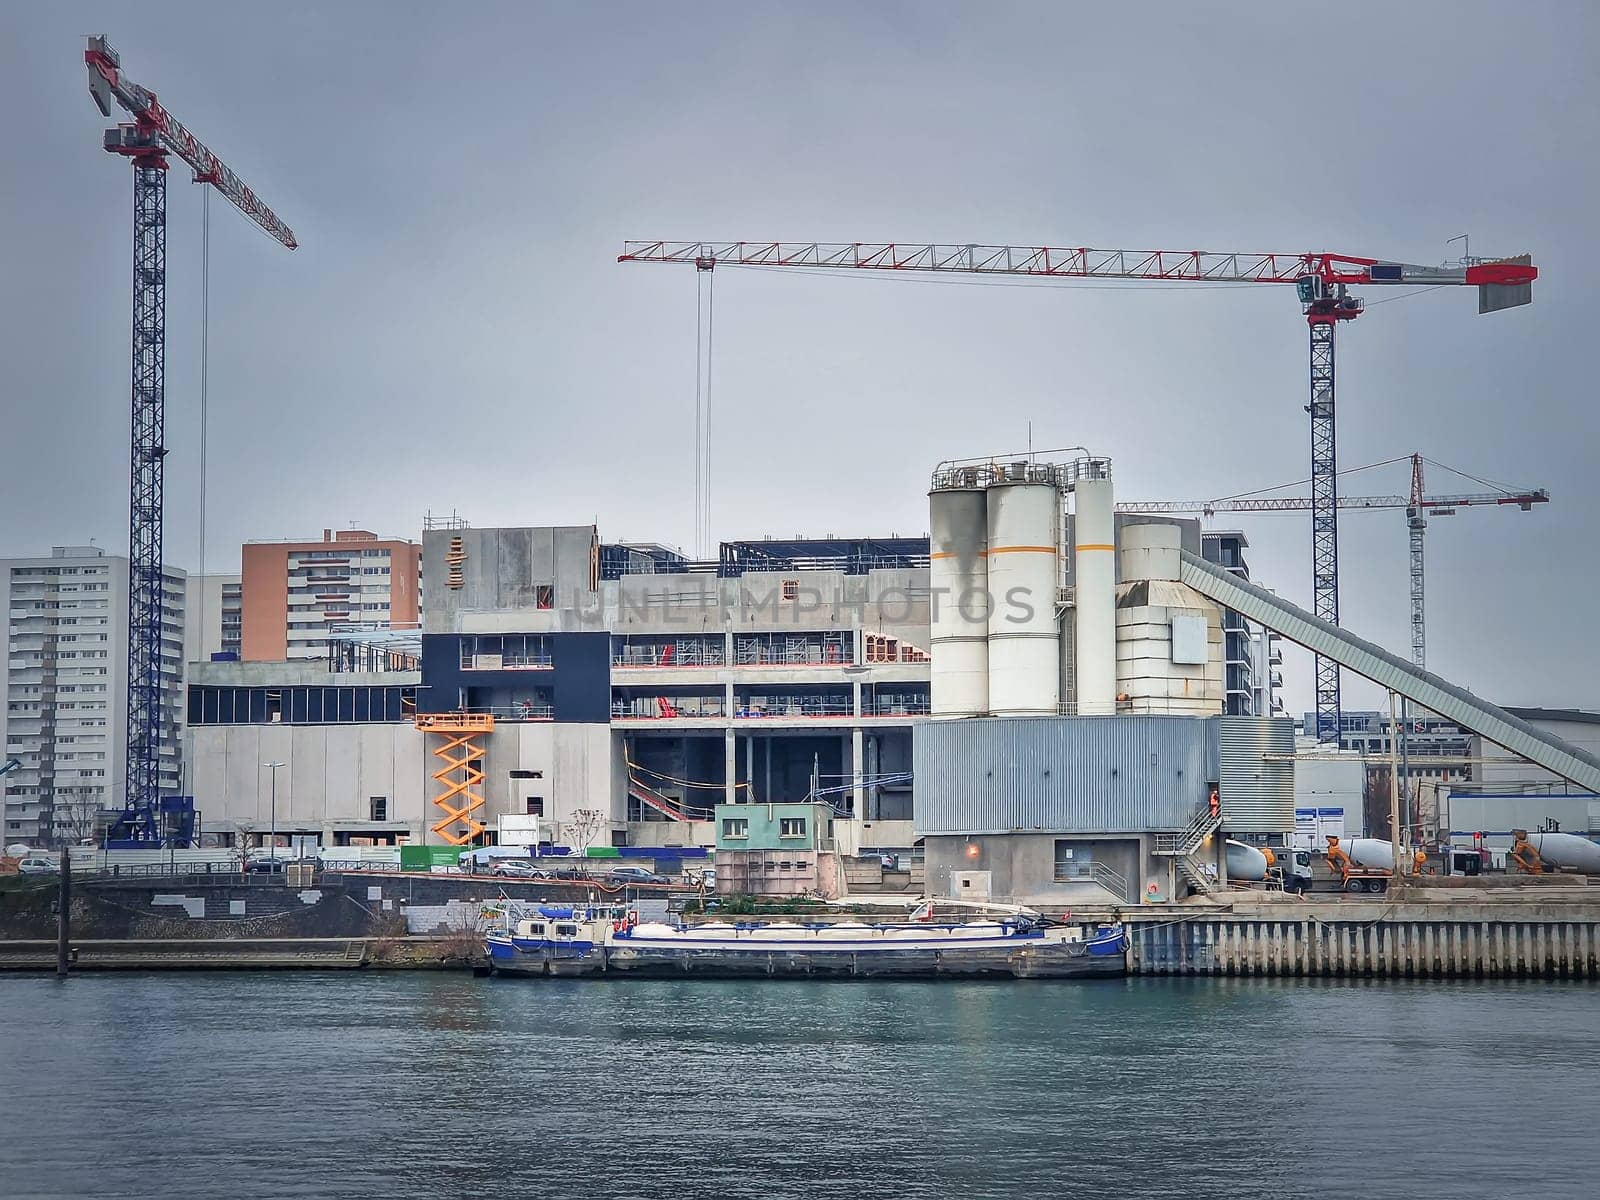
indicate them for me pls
(1321, 281)
(146, 142)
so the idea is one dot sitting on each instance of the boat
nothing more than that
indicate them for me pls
(561, 940)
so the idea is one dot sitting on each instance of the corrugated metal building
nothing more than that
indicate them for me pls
(1062, 774)
(1058, 810)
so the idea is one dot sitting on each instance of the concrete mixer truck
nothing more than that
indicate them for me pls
(1362, 864)
(1539, 852)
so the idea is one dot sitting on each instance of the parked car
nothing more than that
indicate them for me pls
(267, 865)
(37, 864)
(707, 877)
(515, 868)
(635, 875)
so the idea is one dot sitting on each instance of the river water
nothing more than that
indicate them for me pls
(422, 1084)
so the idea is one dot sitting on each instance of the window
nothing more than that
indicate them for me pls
(792, 827)
(544, 595)
(536, 806)
(380, 807)
(736, 827)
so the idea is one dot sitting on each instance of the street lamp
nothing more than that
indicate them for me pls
(274, 767)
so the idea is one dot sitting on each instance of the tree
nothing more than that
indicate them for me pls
(585, 824)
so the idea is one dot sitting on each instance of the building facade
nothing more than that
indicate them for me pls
(293, 594)
(66, 691)
(1433, 747)
(1252, 657)
(213, 614)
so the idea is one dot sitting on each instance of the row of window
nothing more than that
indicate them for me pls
(788, 827)
(300, 705)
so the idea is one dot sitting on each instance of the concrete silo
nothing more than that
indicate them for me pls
(958, 579)
(1094, 597)
(1024, 524)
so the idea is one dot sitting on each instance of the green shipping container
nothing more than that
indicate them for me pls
(602, 852)
(425, 858)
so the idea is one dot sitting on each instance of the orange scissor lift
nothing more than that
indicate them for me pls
(461, 775)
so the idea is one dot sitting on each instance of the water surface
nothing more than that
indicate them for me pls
(420, 1085)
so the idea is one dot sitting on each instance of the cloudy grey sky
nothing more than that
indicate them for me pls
(454, 332)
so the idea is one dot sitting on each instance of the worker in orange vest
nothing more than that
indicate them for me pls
(1338, 860)
(1419, 862)
(1524, 854)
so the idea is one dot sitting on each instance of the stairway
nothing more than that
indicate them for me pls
(1181, 847)
(648, 796)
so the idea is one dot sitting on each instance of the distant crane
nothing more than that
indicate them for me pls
(1322, 282)
(1418, 505)
(146, 141)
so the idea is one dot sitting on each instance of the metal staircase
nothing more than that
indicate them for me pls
(663, 803)
(1181, 848)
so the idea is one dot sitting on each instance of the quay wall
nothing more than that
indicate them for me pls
(1396, 941)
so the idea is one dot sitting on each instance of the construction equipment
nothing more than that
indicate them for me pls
(146, 142)
(1357, 869)
(1524, 855)
(461, 777)
(1418, 507)
(1322, 282)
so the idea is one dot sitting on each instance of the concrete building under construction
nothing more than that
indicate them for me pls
(1036, 697)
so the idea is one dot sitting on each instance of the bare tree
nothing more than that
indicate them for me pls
(585, 824)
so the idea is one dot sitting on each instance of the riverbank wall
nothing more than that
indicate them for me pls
(1428, 935)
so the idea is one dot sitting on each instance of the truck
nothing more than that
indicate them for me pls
(1290, 869)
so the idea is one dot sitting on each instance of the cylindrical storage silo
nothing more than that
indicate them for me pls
(958, 581)
(1095, 597)
(1024, 581)
(1150, 551)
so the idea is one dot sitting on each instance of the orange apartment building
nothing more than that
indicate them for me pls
(294, 593)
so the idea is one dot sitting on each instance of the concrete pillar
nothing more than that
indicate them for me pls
(730, 767)
(859, 794)
(873, 760)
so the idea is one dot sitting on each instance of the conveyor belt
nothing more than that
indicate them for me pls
(1391, 672)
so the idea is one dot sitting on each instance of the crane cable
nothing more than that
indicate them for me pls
(205, 374)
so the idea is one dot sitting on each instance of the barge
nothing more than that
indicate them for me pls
(557, 940)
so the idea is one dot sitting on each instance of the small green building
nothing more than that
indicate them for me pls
(803, 827)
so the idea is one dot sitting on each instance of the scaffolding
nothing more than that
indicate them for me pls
(794, 649)
(461, 775)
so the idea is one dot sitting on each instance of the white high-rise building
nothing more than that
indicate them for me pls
(66, 691)
(212, 617)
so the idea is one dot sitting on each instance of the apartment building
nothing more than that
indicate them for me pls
(66, 690)
(294, 594)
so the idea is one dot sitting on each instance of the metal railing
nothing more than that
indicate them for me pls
(505, 662)
(769, 707)
(517, 712)
(1098, 873)
(1203, 824)
(668, 708)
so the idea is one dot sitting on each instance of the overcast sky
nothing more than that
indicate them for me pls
(455, 334)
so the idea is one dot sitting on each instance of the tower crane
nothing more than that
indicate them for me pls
(146, 142)
(1418, 506)
(1321, 281)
